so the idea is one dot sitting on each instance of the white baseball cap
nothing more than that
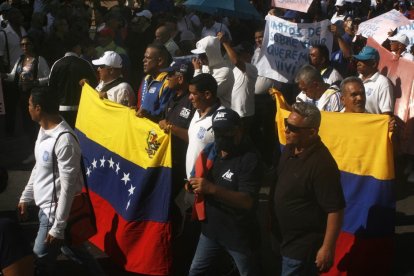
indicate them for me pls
(402, 38)
(144, 13)
(110, 59)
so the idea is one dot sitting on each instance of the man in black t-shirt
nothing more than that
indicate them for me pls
(308, 199)
(230, 189)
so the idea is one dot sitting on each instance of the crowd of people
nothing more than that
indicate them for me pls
(195, 75)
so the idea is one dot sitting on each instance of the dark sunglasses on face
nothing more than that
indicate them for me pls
(292, 128)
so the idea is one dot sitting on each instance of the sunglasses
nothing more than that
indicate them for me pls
(292, 128)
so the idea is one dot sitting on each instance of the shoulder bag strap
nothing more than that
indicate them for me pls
(54, 166)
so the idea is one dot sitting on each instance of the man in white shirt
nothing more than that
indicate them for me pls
(163, 36)
(111, 85)
(315, 91)
(245, 75)
(203, 96)
(211, 27)
(378, 88)
(211, 61)
(398, 45)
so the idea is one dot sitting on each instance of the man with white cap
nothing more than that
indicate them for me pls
(111, 84)
(398, 44)
(211, 61)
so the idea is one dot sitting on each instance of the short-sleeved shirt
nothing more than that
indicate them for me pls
(329, 101)
(242, 96)
(155, 94)
(308, 188)
(234, 228)
(179, 112)
(200, 134)
(379, 94)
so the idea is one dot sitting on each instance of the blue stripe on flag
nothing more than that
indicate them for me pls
(135, 193)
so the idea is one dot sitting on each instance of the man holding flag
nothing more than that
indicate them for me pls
(308, 199)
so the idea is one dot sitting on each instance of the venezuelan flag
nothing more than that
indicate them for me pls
(128, 167)
(361, 146)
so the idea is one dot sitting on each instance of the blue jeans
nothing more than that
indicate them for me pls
(293, 267)
(207, 249)
(47, 254)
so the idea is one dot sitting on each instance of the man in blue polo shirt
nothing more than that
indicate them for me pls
(154, 92)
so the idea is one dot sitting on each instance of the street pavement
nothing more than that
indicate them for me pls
(13, 150)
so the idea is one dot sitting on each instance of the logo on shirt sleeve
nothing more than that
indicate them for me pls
(228, 175)
(152, 90)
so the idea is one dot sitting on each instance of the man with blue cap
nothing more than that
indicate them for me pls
(378, 88)
(230, 189)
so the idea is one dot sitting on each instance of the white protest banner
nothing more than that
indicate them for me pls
(378, 27)
(297, 5)
(2, 108)
(286, 46)
(408, 30)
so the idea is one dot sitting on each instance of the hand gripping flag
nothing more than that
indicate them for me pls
(204, 163)
(361, 146)
(128, 167)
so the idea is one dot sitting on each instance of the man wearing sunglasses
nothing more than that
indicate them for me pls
(308, 198)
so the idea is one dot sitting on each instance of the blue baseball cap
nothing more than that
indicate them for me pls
(181, 66)
(367, 53)
(225, 118)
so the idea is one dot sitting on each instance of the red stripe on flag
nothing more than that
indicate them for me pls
(137, 246)
(362, 256)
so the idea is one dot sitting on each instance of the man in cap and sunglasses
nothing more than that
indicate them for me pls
(230, 189)
(308, 197)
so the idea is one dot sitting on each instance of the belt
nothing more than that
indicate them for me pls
(68, 107)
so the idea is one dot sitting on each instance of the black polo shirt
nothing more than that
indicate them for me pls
(179, 112)
(308, 188)
(236, 229)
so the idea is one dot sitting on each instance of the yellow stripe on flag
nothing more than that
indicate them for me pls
(359, 142)
(138, 140)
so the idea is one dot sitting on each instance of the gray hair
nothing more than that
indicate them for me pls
(307, 74)
(310, 113)
(349, 80)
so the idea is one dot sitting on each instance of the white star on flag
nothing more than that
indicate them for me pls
(129, 201)
(102, 161)
(88, 171)
(94, 163)
(111, 163)
(126, 178)
(131, 190)
(117, 168)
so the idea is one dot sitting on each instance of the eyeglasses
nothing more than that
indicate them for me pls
(25, 44)
(293, 128)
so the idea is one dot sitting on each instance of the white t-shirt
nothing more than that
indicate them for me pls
(379, 94)
(68, 179)
(200, 133)
(242, 96)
